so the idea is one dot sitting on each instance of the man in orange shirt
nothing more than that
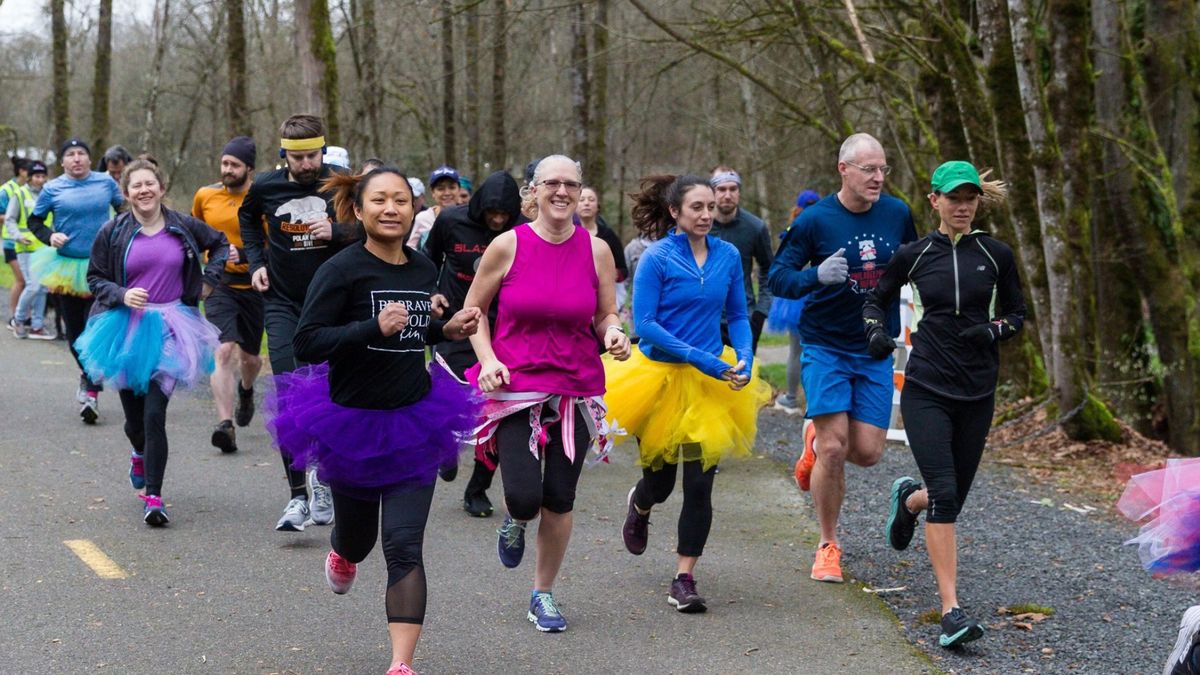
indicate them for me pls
(234, 307)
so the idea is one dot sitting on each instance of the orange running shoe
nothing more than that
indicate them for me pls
(808, 457)
(828, 565)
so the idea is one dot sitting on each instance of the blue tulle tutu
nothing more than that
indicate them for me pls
(367, 453)
(171, 344)
(785, 315)
(59, 273)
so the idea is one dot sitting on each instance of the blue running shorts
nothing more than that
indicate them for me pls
(837, 382)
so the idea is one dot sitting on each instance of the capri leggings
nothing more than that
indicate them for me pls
(403, 534)
(947, 438)
(695, 518)
(529, 486)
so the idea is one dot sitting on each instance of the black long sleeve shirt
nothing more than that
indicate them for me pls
(340, 324)
(957, 284)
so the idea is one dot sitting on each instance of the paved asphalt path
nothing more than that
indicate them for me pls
(219, 591)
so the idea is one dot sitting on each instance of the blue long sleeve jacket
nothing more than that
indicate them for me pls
(677, 304)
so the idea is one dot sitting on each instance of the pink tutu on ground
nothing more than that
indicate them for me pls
(1169, 543)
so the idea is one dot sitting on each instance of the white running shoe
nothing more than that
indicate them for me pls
(322, 501)
(294, 516)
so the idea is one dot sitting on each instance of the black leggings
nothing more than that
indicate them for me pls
(403, 534)
(75, 315)
(526, 490)
(695, 518)
(281, 318)
(947, 438)
(146, 429)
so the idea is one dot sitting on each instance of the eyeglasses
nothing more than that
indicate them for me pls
(554, 185)
(870, 170)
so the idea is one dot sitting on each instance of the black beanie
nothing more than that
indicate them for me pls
(73, 142)
(243, 148)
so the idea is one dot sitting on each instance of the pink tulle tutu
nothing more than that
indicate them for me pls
(1169, 543)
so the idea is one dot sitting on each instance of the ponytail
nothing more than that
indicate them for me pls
(347, 190)
(652, 206)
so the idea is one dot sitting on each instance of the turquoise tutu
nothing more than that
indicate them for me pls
(785, 315)
(171, 344)
(59, 273)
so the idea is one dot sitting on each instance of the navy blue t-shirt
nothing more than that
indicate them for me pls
(832, 317)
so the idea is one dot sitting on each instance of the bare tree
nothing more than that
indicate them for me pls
(449, 137)
(103, 75)
(162, 22)
(598, 152)
(235, 47)
(499, 38)
(579, 86)
(472, 93)
(62, 93)
(318, 62)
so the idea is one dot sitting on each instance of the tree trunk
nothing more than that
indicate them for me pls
(473, 93)
(162, 23)
(62, 93)
(598, 152)
(310, 67)
(1084, 416)
(580, 105)
(499, 68)
(372, 90)
(753, 148)
(235, 49)
(102, 79)
(318, 63)
(449, 136)
(815, 54)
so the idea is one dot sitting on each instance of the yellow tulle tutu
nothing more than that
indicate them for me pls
(672, 408)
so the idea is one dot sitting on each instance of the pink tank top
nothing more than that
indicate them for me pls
(546, 305)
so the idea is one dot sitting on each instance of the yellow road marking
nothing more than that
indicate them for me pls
(93, 557)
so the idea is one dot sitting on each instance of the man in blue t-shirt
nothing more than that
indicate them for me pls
(836, 252)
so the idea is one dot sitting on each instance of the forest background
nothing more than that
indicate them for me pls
(1089, 109)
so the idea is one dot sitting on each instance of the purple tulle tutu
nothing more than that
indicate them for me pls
(170, 344)
(1169, 543)
(367, 453)
(785, 315)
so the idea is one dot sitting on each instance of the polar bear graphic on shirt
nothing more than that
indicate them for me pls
(295, 215)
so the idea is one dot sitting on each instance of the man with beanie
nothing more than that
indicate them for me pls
(79, 201)
(286, 213)
(750, 235)
(234, 307)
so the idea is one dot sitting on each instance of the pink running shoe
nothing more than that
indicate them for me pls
(340, 573)
(401, 669)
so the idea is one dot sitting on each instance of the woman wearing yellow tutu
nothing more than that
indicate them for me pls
(686, 398)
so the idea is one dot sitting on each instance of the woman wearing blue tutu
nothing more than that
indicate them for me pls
(145, 336)
(375, 423)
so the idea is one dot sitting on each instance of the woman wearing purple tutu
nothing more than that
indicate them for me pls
(145, 336)
(375, 423)
(540, 369)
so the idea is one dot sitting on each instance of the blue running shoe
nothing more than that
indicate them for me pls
(901, 523)
(958, 629)
(511, 543)
(156, 513)
(544, 614)
(137, 470)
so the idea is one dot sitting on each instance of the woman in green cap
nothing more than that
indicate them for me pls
(967, 298)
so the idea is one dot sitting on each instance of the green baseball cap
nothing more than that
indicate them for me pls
(953, 174)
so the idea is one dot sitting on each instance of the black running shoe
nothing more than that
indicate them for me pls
(448, 473)
(245, 406)
(901, 522)
(636, 530)
(477, 504)
(224, 437)
(958, 629)
(683, 595)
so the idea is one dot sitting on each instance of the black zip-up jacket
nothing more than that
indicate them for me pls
(455, 244)
(106, 268)
(957, 284)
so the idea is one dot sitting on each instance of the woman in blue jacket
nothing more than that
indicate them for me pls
(686, 398)
(145, 336)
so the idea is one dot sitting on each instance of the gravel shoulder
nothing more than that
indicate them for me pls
(1018, 544)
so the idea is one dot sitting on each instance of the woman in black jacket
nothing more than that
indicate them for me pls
(145, 335)
(968, 298)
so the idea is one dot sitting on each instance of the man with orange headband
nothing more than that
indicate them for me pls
(300, 236)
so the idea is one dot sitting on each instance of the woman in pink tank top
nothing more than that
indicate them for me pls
(539, 368)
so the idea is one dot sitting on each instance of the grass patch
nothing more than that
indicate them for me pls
(1031, 608)
(930, 617)
(773, 340)
(6, 276)
(775, 374)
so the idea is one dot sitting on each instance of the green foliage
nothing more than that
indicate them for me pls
(1096, 422)
(775, 374)
(1031, 608)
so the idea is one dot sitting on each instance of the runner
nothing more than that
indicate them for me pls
(113, 161)
(234, 307)
(373, 420)
(542, 373)
(464, 190)
(784, 317)
(30, 314)
(147, 337)
(967, 297)
(686, 398)
(79, 201)
(845, 241)
(589, 216)
(13, 192)
(455, 244)
(300, 235)
(752, 238)
(443, 185)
